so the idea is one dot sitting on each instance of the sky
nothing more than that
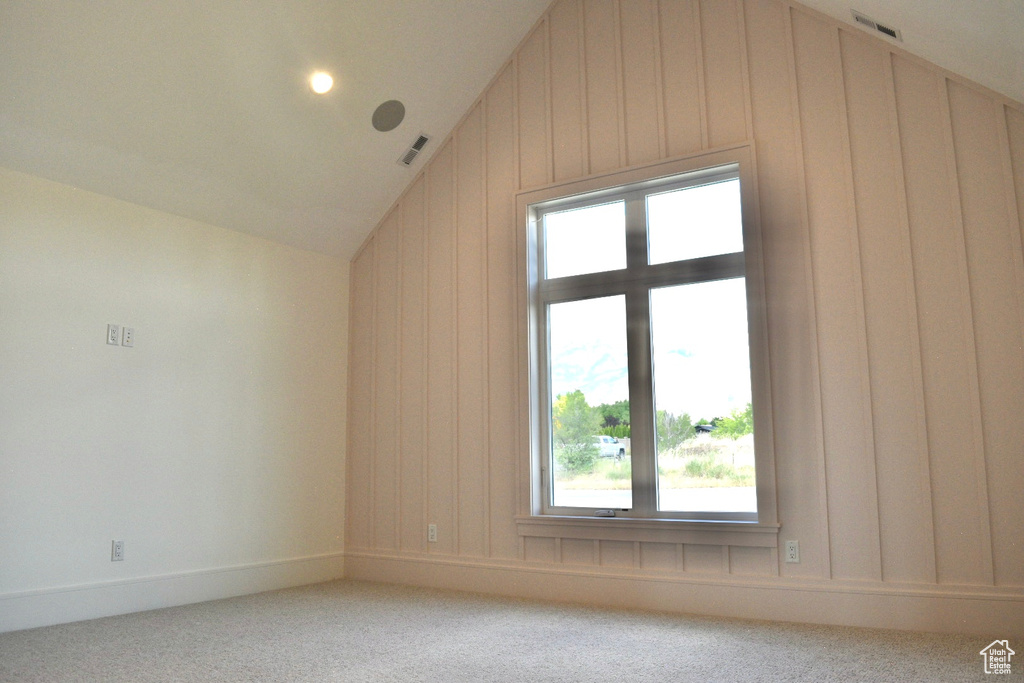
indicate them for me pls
(699, 339)
(699, 331)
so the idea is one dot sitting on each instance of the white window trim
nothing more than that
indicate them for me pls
(532, 520)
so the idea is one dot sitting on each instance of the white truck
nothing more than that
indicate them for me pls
(609, 447)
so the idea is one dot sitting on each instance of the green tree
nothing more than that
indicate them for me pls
(618, 431)
(673, 429)
(740, 422)
(573, 425)
(614, 414)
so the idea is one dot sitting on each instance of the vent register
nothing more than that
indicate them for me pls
(864, 20)
(410, 154)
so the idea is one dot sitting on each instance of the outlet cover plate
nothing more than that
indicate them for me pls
(792, 551)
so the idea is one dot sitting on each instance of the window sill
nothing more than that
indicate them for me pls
(751, 534)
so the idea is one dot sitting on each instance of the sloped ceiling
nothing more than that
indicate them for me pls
(980, 39)
(202, 109)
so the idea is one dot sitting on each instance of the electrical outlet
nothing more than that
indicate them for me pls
(432, 533)
(127, 336)
(792, 551)
(113, 334)
(117, 551)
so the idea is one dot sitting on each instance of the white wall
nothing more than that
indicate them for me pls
(214, 447)
(891, 194)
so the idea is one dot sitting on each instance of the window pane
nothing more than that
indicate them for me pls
(693, 222)
(705, 440)
(587, 240)
(589, 376)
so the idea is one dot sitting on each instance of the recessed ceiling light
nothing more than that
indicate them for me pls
(321, 82)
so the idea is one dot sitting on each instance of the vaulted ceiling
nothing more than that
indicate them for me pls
(203, 109)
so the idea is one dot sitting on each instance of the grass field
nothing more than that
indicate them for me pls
(702, 462)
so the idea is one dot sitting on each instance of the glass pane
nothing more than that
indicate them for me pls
(705, 440)
(587, 240)
(694, 222)
(589, 404)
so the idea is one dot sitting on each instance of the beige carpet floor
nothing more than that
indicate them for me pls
(357, 631)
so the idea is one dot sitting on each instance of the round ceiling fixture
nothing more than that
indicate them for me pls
(321, 82)
(388, 115)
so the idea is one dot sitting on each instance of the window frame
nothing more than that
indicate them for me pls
(536, 516)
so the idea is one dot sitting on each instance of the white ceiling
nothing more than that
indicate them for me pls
(980, 39)
(201, 109)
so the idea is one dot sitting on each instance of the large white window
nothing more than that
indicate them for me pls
(648, 373)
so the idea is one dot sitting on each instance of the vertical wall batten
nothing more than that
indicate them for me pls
(549, 150)
(748, 106)
(581, 42)
(620, 85)
(485, 445)
(385, 384)
(457, 325)
(702, 74)
(425, 448)
(522, 379)
(412, 389)
(502, 369)
(471, 312)
(1005, 480)
(359, 502)
(659, 81)
(818, 420)
(441, 346)
(399, 379)
(371, 498)
(983, 540)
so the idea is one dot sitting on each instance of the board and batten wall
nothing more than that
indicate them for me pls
(891, 194)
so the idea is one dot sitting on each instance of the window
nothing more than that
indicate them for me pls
(648, 372)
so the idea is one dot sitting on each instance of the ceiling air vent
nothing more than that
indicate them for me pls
(416, 147)
(872, 24)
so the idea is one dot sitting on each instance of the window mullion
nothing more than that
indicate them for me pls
(638, 342)
(641, 401)
(636, 234)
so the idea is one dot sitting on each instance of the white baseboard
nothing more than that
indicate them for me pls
(45, 607)
(993, 612)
